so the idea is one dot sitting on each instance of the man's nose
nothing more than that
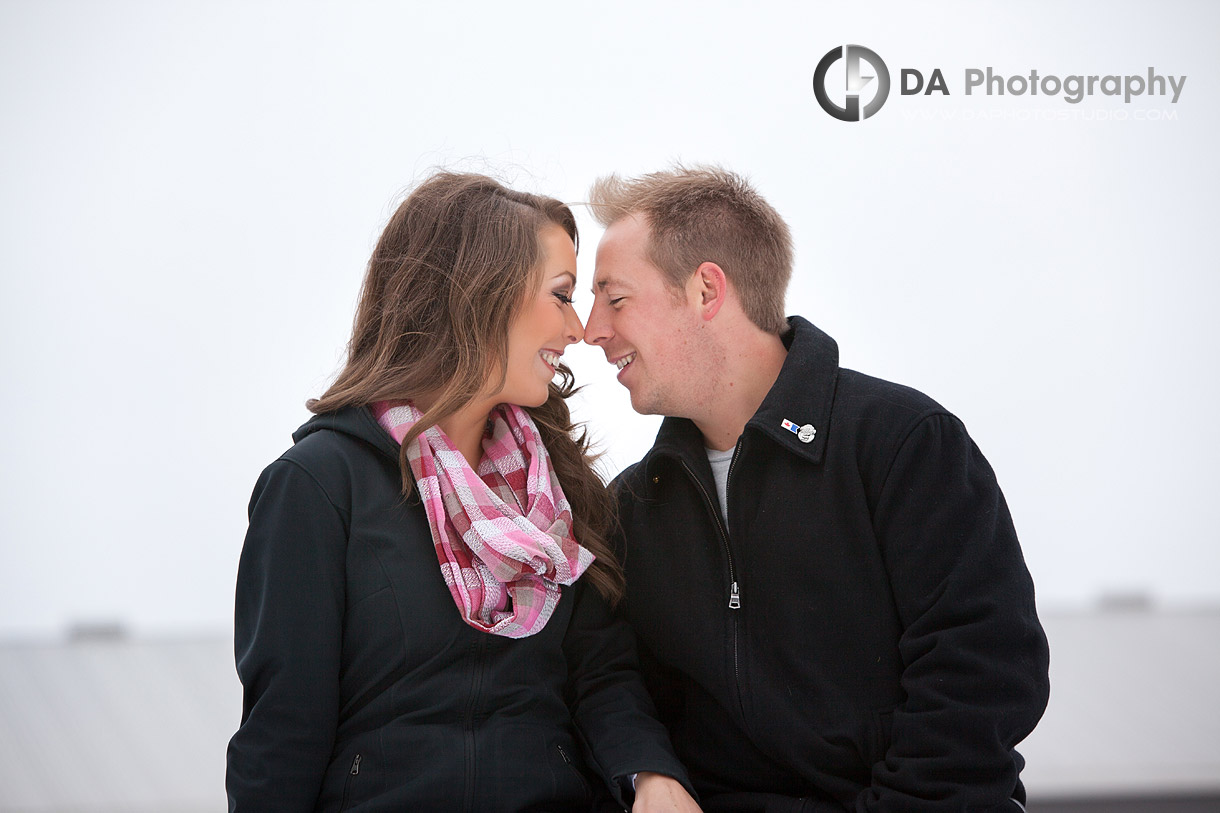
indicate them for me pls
(597, 328)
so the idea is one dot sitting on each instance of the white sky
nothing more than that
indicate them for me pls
(190, 192)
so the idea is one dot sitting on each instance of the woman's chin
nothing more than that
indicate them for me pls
(528, 401)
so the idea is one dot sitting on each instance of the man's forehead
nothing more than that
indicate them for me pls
(622, 254)
(629, 231)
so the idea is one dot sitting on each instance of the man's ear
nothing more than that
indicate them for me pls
(712, 288)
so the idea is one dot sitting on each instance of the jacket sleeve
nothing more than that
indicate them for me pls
(974, 655)
(609, 703)
(287, 637)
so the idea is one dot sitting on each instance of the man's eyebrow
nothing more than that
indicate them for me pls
(604, 283)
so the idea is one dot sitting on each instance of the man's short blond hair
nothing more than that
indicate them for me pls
(707, 214)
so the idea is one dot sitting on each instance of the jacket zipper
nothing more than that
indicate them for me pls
(476, 686)
(734, 593)
(734, 589)
(347, 785)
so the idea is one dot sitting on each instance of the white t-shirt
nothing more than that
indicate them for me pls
(720, 471)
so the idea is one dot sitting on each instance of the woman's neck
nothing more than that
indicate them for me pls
(465, 429)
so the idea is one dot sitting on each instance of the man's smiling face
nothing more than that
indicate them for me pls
(648, 329)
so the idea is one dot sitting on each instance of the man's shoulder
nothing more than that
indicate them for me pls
(847, 400)
(866, 396)
(874, 419)
(868, 418)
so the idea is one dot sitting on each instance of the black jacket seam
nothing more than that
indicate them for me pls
(343, 512)
(921, 419)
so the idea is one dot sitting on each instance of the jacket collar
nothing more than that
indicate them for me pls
(802, 395)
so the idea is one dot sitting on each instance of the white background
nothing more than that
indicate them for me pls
(190, 192)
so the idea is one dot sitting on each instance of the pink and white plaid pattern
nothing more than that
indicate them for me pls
(503, 535)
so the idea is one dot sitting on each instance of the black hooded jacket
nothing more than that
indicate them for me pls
(365, 690)
(862, 636)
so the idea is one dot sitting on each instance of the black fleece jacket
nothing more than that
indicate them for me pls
(364, 689)
(863, 634)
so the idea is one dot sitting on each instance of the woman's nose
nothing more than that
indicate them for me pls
(574, 330)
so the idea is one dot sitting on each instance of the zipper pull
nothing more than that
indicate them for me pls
(356, 766)
(734, 597)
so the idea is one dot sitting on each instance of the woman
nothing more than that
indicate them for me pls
(422, 603)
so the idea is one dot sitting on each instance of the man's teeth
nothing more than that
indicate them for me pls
(625, 360)
(550, 358)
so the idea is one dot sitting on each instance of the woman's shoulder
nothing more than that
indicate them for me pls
(339, 438)
(342, 453)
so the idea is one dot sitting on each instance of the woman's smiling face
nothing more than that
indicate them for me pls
(545, 326)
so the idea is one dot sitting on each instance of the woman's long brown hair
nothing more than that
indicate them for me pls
(449, 274)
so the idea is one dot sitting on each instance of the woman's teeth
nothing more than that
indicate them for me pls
(550, 358)
(625, 360)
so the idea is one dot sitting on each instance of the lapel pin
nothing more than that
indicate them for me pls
(805, 433)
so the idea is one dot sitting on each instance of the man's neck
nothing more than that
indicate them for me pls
(751, 367)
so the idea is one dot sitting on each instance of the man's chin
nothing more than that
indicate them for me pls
(644, 405)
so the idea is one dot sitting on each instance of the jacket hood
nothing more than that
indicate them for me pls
(802, 397)
(355, 421)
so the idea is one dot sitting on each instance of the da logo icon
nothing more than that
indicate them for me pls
(850, 110)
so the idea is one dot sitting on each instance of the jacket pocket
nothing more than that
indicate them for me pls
(575, 768)
(352, 773)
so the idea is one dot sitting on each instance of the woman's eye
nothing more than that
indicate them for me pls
(564, 298)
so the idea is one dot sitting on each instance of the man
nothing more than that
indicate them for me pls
(832, 605)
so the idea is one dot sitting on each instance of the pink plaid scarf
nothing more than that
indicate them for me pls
(503, 535)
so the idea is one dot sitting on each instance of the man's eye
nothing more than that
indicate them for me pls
(614, 303)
